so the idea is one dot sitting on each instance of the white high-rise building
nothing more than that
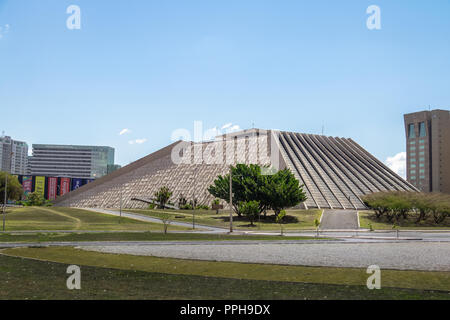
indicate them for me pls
(13, 155)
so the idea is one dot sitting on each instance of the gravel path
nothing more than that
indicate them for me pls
(407, 256)
(339, 219)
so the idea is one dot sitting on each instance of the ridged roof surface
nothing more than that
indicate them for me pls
(335, 172)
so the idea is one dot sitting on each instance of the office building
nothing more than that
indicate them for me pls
(13, 156)
(87, 162)
(428, 150)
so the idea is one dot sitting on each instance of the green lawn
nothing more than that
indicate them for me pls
(59, 218)
(114, 276)
(137, 236)
(366, 217)
(295, 219)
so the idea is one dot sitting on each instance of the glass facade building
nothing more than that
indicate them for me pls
(90, 162)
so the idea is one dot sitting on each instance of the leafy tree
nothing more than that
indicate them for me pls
(282, 190)
(181, 201)
(14, 191)
(166, 220)
(35, 199)
(279, 219)
(162, 196)
(278, 191)
(397, 204)
(250, 209)
(246, 183)
(214, 203)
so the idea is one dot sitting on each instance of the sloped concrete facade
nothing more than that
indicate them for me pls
(335, 172)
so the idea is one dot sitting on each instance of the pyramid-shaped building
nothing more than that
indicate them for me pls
(335, 172)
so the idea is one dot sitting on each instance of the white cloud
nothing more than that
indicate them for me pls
(397, 164)
(137, 141)
(124, 131)
(226, 126)
(4, 30)
(210, 134)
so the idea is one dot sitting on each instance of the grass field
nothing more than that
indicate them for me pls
(113, 276)
(58, 218)
(137, 236)
(366, 217)
(294, 220)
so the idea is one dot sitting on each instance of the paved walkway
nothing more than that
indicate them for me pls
(141, 217)
(339, 219)
(400, 255)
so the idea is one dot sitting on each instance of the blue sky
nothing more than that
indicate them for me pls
(156, 66)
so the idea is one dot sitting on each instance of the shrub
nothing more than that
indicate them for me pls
(162, 196)
(397, 204)
(250, 209)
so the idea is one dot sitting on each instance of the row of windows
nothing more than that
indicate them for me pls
(420, 177)
(421, 159)
(412, 130)
(413, 154)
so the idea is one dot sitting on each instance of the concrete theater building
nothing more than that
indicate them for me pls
(335, 172)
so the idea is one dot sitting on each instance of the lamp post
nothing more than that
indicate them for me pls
(5, 199)
(120, 212)
(231, 199)
(193, 199)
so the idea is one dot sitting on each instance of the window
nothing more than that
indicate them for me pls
(421, 159)
(413, 166)
(422, 141)
(422, 171)
(412, 172)
(412, 142)
(421, 165)
(422, 147)
(421, 153)
(422, 177)
(422, 131)
(411, 131)
(412, 160)
(412, 154)
(413, 177)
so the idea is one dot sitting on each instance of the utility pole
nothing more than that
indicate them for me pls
(4, 203)
(120, 214)
(6, 192)
(231, 199)
(193, 199)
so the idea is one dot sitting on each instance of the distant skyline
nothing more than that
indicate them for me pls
(137, 71)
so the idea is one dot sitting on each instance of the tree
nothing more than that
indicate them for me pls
(166, 220)
(35, 199)
(246, 183)
(250, 209)
(15, 190)
(162, 196)
(279, 219)
(282, 190)
(278, 191)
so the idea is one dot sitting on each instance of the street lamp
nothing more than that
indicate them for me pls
(4, 203)
(231, 199)
(121, 196)
(6, 197)
(193, 198)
